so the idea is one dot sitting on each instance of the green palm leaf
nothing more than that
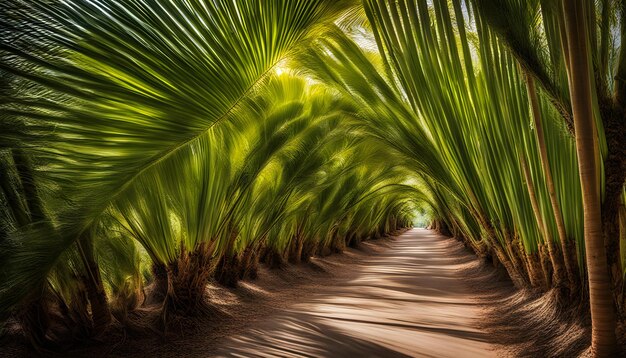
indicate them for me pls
(139, 81)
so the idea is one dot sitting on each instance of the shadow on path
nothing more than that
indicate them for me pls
(409, 300)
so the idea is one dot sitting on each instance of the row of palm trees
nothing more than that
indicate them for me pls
(187, 156)
(175, 142)
(283, 180)
(516, 127)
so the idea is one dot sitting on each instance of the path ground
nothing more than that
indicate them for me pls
(408, 300)
(412, 295)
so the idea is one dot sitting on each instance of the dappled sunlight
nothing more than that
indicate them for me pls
(178, 174)
(401, 302)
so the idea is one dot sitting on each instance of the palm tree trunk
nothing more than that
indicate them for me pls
(570, 263)
(530, 261)
(603, 340)
(556, 264)
(250, 263)
(187, 279)
(227, 271)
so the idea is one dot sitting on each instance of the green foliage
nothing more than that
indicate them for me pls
(193, 136)
(170, 132)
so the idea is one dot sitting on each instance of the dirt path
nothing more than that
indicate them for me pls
(408, 300)
(419, 295)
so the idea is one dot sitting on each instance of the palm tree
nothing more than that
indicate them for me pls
(167, 148)
(603, 339)
(569, 262)
(605, 109)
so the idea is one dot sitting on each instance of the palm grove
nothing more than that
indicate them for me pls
(150, 146)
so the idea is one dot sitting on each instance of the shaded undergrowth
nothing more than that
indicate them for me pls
(525, 322)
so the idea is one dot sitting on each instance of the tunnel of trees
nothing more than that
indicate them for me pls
(148, 146)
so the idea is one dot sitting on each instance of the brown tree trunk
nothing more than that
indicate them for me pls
(187, 280)
(274, 259)
(543, 229)
(546, 267)
(337, 243)
(603, 339)
(350, 239)
(503, 258)
(536, 280)
(517, 246)
(516, 259)
(227, 271)
(308, 249)
(159, 286)
(250, 262)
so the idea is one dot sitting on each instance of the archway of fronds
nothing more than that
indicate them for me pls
(165, 144)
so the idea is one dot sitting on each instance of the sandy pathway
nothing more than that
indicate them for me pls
(406, 301)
